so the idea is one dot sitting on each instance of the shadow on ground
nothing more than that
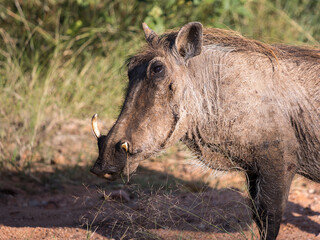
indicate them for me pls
(70, 197)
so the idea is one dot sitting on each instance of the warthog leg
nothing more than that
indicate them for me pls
(269, 189)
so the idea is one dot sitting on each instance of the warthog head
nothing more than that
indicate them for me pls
(153, 116)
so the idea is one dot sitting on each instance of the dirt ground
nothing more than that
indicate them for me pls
(168, 198)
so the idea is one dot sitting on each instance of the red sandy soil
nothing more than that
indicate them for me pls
(166, 199)
(207, 213)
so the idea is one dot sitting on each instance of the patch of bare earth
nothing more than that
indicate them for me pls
(168, 198)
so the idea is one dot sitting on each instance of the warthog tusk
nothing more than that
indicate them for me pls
(125, 146)
(94, 125)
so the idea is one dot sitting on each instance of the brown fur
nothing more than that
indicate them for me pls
(236, 103)
(228, 38)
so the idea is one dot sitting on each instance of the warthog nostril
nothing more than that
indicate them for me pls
(111, 170)
(125, 146)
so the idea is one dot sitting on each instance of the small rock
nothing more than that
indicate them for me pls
(121, 195)
(34, 203)
(311, 191)
(58, 159)
(51, 205)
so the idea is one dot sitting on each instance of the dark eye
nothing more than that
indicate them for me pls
(157, 69)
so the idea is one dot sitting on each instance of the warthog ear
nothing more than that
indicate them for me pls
(148, 33)
(189, 40)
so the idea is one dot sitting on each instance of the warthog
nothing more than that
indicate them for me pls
(238, 104)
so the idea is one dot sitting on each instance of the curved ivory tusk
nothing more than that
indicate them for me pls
(125, 146)
(94, 125)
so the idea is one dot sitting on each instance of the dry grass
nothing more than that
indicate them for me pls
(181, 213)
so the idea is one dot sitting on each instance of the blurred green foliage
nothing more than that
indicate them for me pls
(44, 24)
(64, 58)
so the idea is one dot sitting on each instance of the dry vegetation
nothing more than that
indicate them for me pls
(62, 61)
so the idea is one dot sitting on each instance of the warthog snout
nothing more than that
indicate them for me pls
(109, 172)
(111, 161)
(98, 170)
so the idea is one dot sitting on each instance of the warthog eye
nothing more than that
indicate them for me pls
(157, 68)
